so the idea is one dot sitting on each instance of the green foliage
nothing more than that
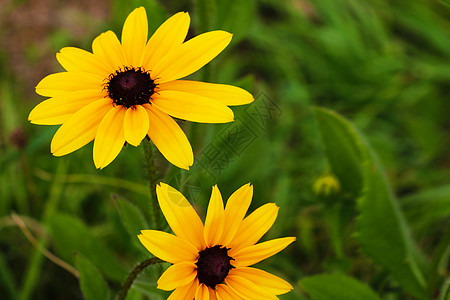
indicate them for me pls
(235, 16)
(382, 232)
(445, 292)
(132, 218)
(72, 236)
(342, 151)
(337, 287)
(7, 283)
(384, 65)
(429, 208)
(92, 284)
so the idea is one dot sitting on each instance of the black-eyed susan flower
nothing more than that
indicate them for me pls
(212, 261)
(125, 91)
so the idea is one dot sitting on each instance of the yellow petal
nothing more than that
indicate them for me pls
(168, 36)
(80, 128)
(180, 215)
(214, 222)
(226, 94)
(77, 60)
(177, 275)
(168, 247)
(169, 138)
(186, 292)
(108, 47)
(247, 289)
(190, 56)
(224, 292)
(193, 108)
(57, 110)
(235, 210)
(253, 227)
(256, 253)
(212, 294)
(58, 84)
(204, 293)
(109, 139)
(270, 282)
(134, 36)
(135, 125)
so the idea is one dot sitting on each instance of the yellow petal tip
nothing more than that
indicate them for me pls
(57, 154)
(134, 143)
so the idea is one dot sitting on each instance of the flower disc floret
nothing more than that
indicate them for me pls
(213, 265)
(130, 87)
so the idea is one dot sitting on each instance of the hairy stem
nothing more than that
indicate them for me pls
(134, 273)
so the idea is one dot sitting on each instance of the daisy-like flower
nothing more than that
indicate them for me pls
(125, 91)
(211, 261)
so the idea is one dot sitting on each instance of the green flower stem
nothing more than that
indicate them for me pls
(151, 170)
(134, 273)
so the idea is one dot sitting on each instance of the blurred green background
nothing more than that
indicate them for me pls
(384, 65)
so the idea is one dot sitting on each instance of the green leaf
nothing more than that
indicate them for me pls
(336, 287)
(72, 235)
(342, 151)
(382, 232)
(93, 286)
(131, 216)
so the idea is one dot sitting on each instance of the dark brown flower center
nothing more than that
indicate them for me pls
(213, 265)
(130, 87)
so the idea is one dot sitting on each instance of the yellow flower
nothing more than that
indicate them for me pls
(212, 261)
(125, 91)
